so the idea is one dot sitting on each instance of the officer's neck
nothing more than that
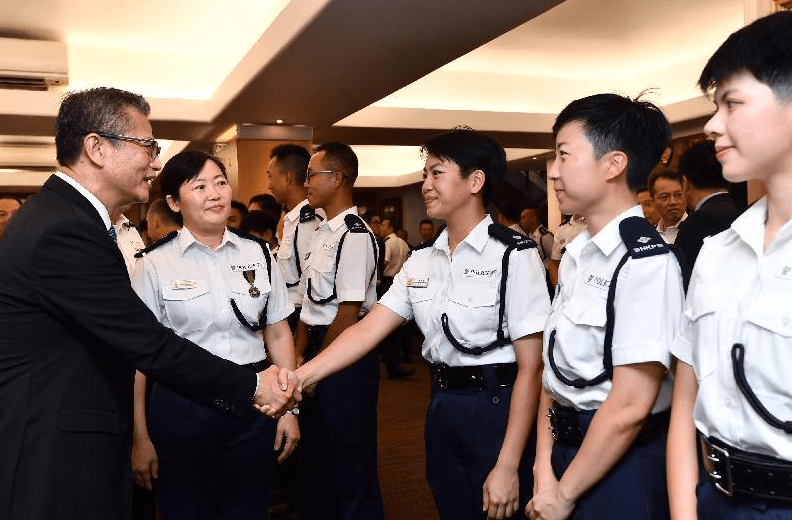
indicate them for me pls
(462, 222)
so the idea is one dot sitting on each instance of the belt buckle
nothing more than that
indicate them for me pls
(552, 415)
(723, 483)
(442, 377)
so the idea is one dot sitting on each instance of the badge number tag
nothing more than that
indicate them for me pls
(246, 267)
(418, 283)
(177, 285)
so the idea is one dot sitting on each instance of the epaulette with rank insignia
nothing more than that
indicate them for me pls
(355, 224)
(164, 240)
(430, 243)
(640, 238)
(510, 237)
(308, 214)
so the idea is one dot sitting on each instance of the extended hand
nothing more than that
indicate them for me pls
(279, 390)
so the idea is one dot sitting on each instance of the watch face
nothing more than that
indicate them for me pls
(667, 154)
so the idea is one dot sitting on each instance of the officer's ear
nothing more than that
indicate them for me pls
(173, 204)
(476, 181)
(616, 163)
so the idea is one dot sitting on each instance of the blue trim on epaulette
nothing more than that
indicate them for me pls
(641, 239)
(164, 240)
(355, 224)
(510, 237)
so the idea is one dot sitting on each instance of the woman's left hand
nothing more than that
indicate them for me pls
(501, 493)
(287, 435)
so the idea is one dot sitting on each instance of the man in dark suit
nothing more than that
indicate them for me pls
(712, 209)
(72, 331)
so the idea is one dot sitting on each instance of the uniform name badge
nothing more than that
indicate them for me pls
(177, 285)
(418, 283)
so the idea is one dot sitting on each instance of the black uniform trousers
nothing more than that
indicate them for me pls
(714, 505)
(338, 459)
(634, 488)
(211, 466)
(463, 436)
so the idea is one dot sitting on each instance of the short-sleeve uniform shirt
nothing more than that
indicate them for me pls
(354, 278)
(293, 253)
(189, 287)
(466, 287)
(740, 293)
(648, 308)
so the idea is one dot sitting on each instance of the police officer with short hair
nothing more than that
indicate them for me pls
(339, 447)
(476, 293)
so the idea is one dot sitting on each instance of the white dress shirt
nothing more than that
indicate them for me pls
(356, 279)
(396, 252)
(189, 288)
(740, 293)
(288, 256)
(648, 310)
(466, 286)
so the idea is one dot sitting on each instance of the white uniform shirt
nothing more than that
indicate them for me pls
(466, 286)
(356, 280)
(396, 252)
(740, 293)
(565, 234)
(189, 288)
(669, 233)
(129, 241)
(648, 310)
(288, 257)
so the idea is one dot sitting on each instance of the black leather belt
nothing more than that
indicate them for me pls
(473, 378)
(571, 425)
(258, 366)
(737, 472)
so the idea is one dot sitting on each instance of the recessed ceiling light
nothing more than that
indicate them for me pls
(279, 121)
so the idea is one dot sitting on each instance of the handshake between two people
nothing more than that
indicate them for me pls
(279, 390)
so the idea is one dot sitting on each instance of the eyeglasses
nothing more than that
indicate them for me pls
(310, 173)
(152, 145)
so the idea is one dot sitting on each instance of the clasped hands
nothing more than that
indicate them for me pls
(279, 390)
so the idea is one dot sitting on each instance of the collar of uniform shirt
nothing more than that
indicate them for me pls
(477, 238)
(609, 238)
(186, 239)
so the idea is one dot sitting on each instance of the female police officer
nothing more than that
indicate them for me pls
(219, 289)
(478, 294)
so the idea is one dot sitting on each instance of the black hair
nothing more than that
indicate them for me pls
(617, 123)
(182, 168)
(701, 167)
(340, 157)
(662, 174)
(267, 202)
(259, 221)
(160, 208)
(293, 158)
(471, 151)
(100, 109)
(426, 221)
(510, 210)
(763, 48)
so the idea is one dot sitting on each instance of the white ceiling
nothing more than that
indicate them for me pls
(199, 62)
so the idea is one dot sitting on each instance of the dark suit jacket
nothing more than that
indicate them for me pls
(72, 332)
(715, 215)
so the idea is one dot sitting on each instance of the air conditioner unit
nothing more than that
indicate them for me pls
(32, 64)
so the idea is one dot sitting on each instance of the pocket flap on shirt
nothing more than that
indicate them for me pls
(88, 421)
(476, 295)
(170, 292)
(705, 300)
(586, 311)
(772, 310)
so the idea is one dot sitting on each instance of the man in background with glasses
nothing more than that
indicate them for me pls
(72, 331)
(338, 462)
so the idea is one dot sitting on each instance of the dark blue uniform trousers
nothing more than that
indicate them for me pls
(338, 459)
(464, 434)
(634, 489)
(714, 505)
(211, 466)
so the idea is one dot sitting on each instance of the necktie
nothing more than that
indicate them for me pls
(112, 232)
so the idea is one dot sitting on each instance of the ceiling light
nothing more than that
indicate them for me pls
(279, 121)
